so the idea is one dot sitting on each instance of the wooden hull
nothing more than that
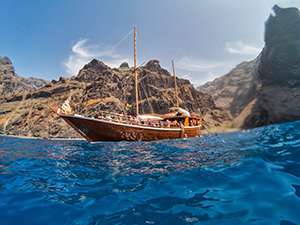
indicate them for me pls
(95, 130)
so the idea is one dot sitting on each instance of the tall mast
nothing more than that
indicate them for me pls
(135, 76)
(176, 94)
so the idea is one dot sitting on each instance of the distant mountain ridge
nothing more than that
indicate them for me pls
(266, 90)
(11, 83)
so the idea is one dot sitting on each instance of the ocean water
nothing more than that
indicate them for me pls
(245, 177)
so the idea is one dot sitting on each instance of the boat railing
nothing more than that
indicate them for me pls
(125, 119)
(121, 118)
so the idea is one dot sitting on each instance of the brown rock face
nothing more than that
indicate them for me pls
(235, 90)
(266, 90)
(11, 83)
(97, 89)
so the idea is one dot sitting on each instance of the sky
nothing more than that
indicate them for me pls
(206, 39)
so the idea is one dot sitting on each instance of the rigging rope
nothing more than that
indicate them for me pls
(139, 94)
(150, 106)
(123, 39)
(93, 69)
(153, 46)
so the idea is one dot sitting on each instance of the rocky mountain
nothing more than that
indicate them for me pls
(97, 89)
(11, 83)
(235, 90)
(266, 90)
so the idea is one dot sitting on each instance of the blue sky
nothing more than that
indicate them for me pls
(206, 39)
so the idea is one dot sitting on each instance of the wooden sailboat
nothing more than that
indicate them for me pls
(176, 124)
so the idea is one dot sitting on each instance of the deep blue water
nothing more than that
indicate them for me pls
(250, 177)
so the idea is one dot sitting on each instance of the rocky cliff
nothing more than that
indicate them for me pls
(99, 88)
(11, 83)
(266, 90)
(235, 90)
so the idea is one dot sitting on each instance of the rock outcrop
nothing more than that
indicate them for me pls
(266, 90)
(235, 90)
(11, 83)
(97, 89)
(280, 59)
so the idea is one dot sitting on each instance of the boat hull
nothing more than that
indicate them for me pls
(96, 130)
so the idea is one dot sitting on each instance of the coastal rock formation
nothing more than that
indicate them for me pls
(235, 90)
(280, 59)
(266, 90)
(11, 83)
(97, 89)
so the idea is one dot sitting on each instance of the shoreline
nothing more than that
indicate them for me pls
(219, 130)
(225, 127)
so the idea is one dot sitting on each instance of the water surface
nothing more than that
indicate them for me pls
(246, 177)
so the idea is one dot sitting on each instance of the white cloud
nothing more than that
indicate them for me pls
(242, 49)
(193, 79)
(82, 53)
(197, 65)
(200, 71)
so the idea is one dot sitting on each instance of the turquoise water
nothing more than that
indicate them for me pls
(250, 177)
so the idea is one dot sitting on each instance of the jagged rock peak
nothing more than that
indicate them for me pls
(124, 65)
(283, 25)
(6, 66)
(92, 71)
(99, 65)
(153, 65)
(12, 84)
(280, 58)
(292, 11)
(5, 61)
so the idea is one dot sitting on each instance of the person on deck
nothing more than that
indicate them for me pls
(168, 123)
(135, 122)
(130, 120)
(150, 123)
(175, 123)
(161, 123)
(121, 117)
(182, 134)
(194, 122)
(138, 121)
